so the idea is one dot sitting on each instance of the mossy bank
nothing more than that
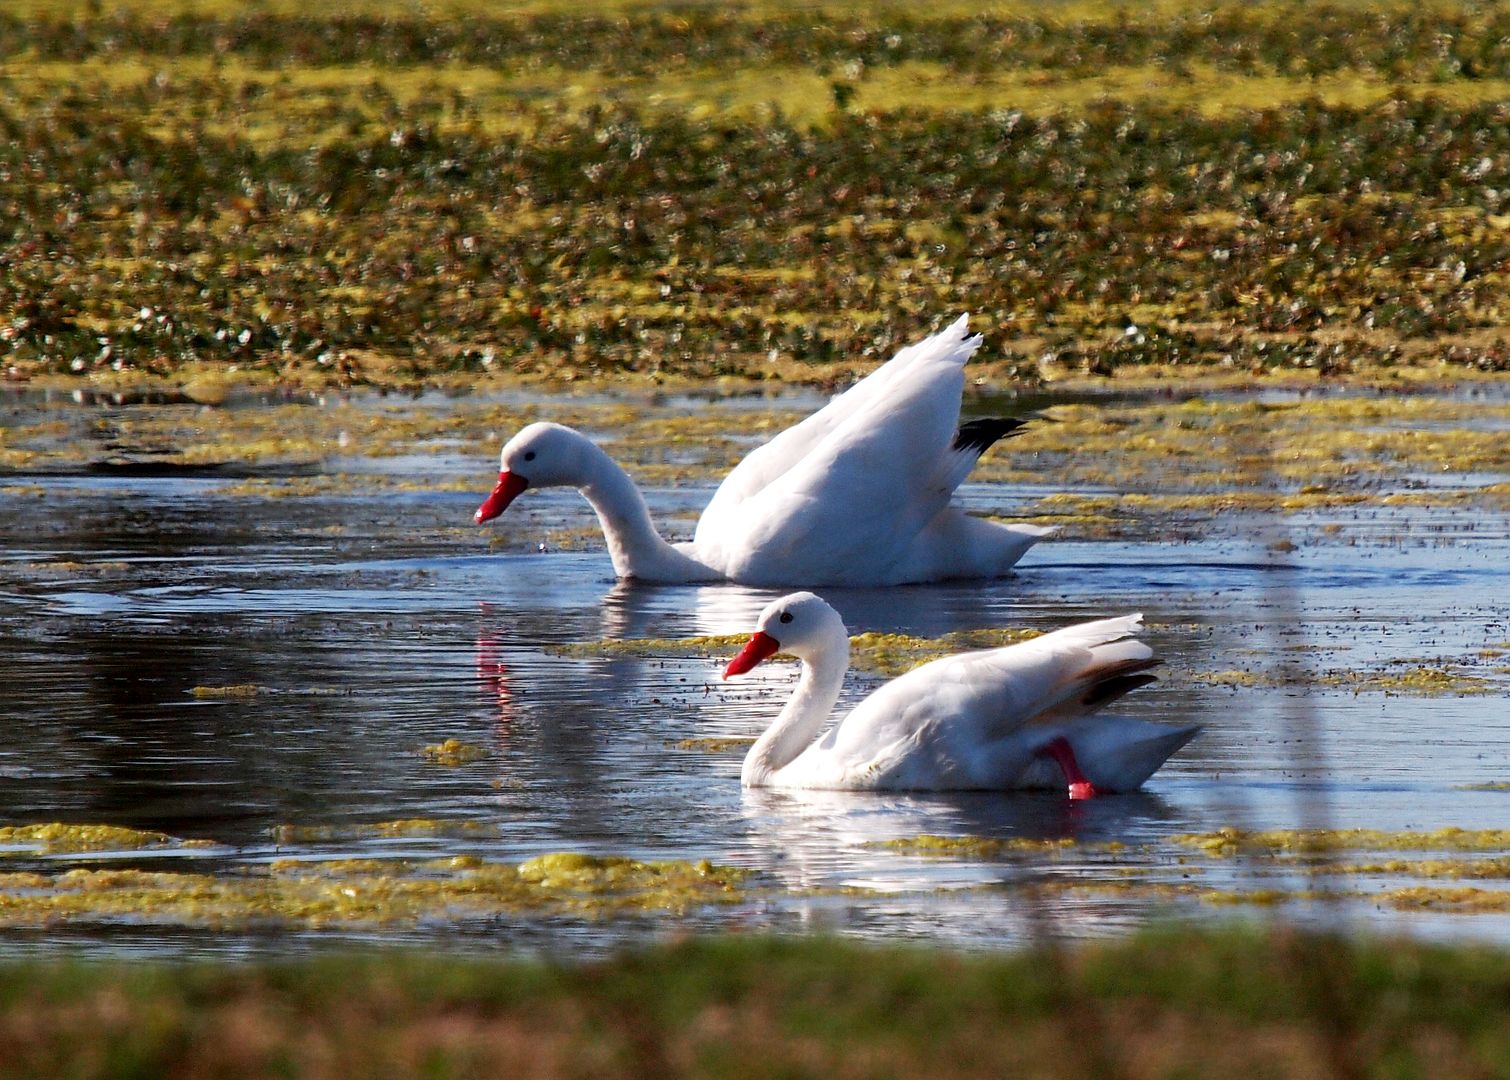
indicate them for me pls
(655, 192)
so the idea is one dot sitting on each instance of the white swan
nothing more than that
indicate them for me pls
(1017, 717)
(856, 494)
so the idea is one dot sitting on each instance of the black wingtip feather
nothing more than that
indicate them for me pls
(980, 435)
(1122, 679)
(1115, 687)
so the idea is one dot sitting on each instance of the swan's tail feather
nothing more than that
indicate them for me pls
(1115, 753)
(954, 344)
(1120, 754)
(1033, 532)
(1100, 632)
(1102, 662)
(978, 436)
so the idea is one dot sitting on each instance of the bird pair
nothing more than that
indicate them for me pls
(859, 494)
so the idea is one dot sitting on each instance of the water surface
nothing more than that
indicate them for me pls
(375, 622)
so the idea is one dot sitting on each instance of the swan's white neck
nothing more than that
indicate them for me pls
(637, 549)
(805, 714)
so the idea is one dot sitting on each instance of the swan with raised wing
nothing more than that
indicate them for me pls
(1023, 716)
(856, 494)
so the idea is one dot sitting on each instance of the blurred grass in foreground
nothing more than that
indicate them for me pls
(1162, 1004)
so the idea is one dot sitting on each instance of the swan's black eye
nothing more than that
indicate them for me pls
(529, 455)
(786, 616)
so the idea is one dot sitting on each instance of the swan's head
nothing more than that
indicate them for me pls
(800, 624)
(542, 455)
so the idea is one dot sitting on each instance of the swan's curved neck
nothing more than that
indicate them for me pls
(804, 715)
(635, 546)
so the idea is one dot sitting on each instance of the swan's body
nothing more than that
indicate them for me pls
(856, 494)
(1016, 717)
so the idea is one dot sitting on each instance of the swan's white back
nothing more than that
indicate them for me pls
(844, 496)
(772, 460)
(856, 494)
(977, 721)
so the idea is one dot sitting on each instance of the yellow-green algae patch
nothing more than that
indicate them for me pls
(398, 829)
(453, 752)
(1234, 677)
(713, 745)
(885, 654)
(984, 847)
(239, 690)
(251, 690)
(1423, 679)
(894, 654)
(1493, 785)
(57, 837)
(1494, 869)
(1233, 841)
(709, 646)
(370, 892)
(1160, 455)
(1270, 897)
(1418, 679)
(73, 566)
(1465, 900)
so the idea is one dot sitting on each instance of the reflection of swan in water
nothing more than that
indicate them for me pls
(493, 676)
(812, 839)
(635, 609)
(974, 721)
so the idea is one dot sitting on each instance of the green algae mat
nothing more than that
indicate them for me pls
(643, 192)
(1164, 1004)
(81, 878)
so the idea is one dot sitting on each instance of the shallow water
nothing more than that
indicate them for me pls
(375, 622)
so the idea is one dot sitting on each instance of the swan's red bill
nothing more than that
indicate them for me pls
(761, 646)
(508, 489)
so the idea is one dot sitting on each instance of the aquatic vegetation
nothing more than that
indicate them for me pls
(240, 690)
(650, 884)
(54, 837)
(204, 194)
(709, 646)
(1420, 679)
(979, 847)
(404, 827)
(254, 690)
(1495, 868)
(1235, 677)
(894, 654)
(350, 893)
(1233, 841)
(1468, 900)
(1398, 677)
(714, 745)
(884, 654)
(453, 752)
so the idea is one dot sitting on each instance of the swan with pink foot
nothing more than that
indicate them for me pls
(1024, 716)
(856, 494)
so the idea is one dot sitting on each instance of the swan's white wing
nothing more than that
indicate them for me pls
(941, 721)
(851, 507)
(774, 459)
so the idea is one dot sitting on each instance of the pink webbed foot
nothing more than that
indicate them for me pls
(1060, 750)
